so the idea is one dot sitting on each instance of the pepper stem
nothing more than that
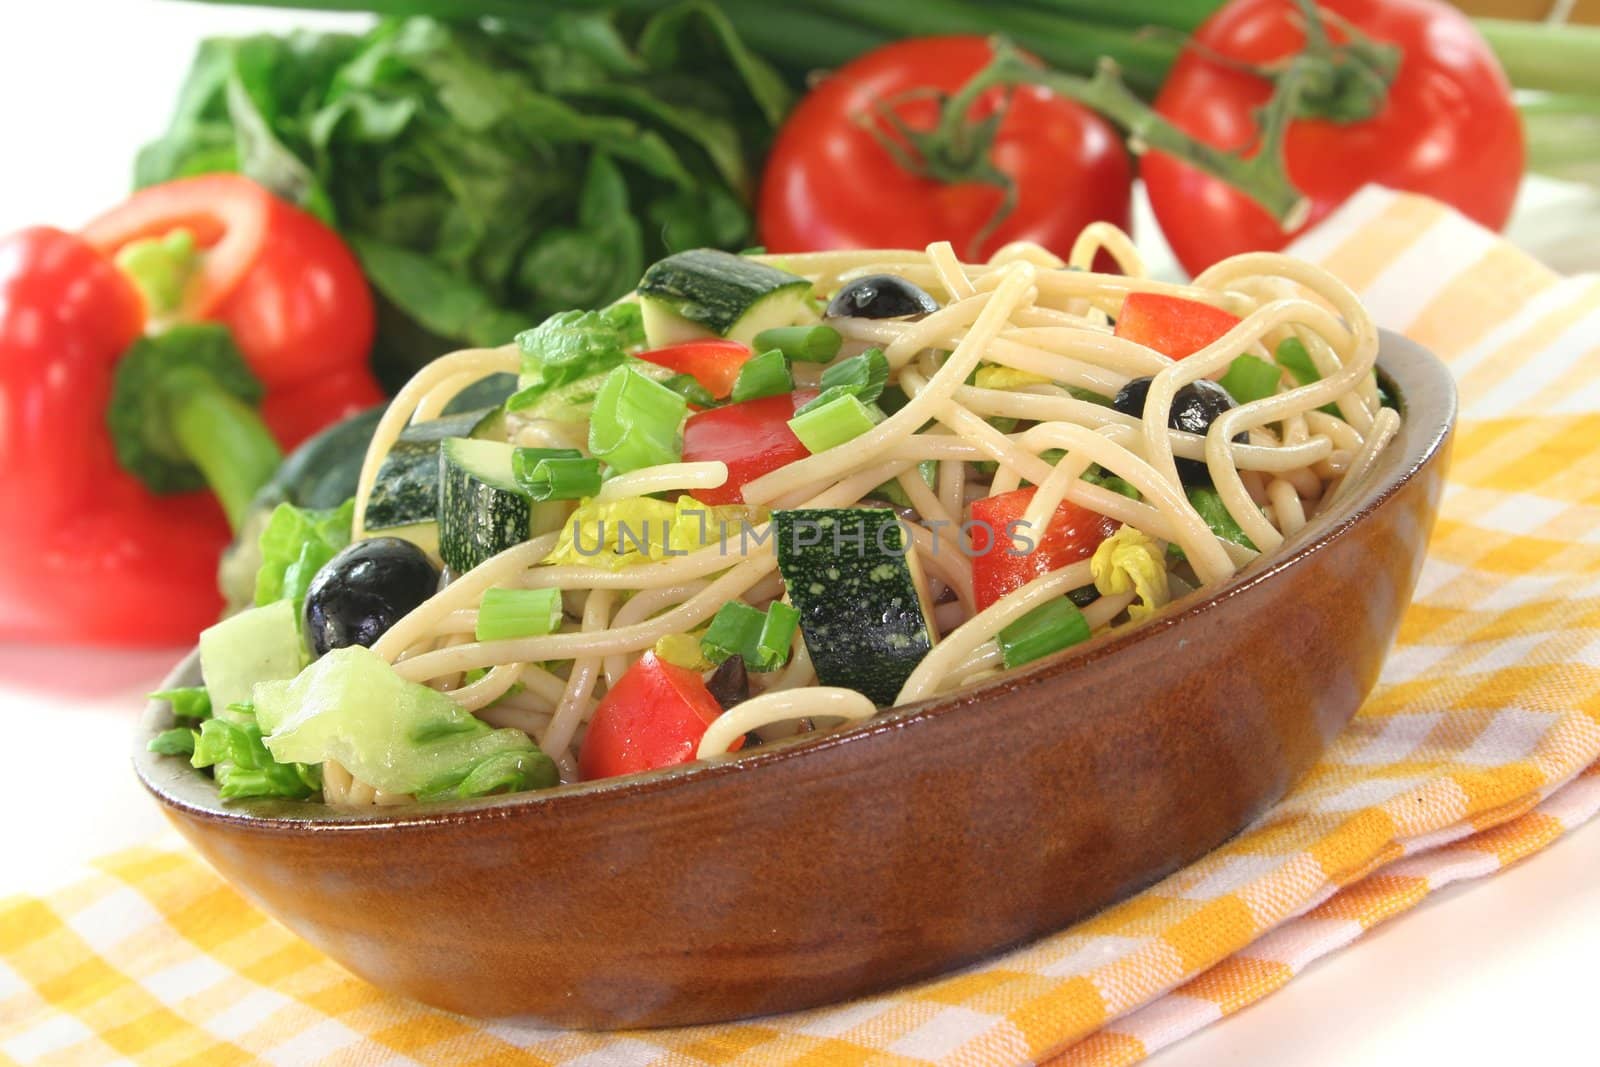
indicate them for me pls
(227, 441)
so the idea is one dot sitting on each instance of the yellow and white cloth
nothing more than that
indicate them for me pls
(1480, 746)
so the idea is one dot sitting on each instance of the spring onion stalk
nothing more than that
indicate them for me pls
(555, 473)
(735, 629)
(862, 377)
(506, 614)
(844, 418)
(1208, 502)
(636, 422)
(1563, 137)
(764, 375)
(801, 344)
(762, 639)
(1250, 378)
(1048, 628)
(776, 637)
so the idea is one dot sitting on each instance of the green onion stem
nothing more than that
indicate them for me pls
(1537, 55)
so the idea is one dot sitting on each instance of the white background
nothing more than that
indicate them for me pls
(1501, 970)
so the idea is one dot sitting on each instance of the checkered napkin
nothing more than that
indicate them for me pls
(1479, 747)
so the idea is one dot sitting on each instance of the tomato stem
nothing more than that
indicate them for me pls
(1261, 175)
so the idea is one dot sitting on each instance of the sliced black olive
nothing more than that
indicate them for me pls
(364, 590)
(1084, 595)
(729, 683)
(1194, 409)
(880, 296)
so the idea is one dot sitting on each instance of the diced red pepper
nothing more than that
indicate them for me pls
(752, 438)
(715, 364)
(1172, 325)
(998, 568)
(653, 717)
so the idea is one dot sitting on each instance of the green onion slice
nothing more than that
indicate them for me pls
(1047, 628)
(763, 375)
(510, 613)
(802, 344)
(636, 422)
(841, 419)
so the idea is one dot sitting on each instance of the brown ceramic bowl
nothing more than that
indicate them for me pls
(828, 867)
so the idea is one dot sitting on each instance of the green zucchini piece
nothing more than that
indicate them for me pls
(859, 591)
(404, 501)
(703, 293)
(482, 511)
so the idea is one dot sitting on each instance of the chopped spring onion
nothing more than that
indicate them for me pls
(555, 473)
(763, 375)
(841, 419)
(636, 422)
(1208, 502)
(1098, 475)
(762, 639)
(689, 387)
(862, 377)
(777, 635)
(1250, 378)
(802, 344)
(1293, 357)
(735, 628)
(1046, 629)
(511, 613)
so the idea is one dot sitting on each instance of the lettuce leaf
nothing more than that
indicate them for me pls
(242, 765)
(398, 736)
(566, 358)
(294, 545)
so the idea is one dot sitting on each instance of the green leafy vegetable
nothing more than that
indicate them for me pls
(862, 377)
(189, 703)
(490, 172)
(243, 766)
(178, 741)
(295, 545)
(565, 360)
(395, 735)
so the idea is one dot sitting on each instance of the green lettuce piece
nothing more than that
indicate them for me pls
(178, 741)
(567, 357)
(243, 766)
(190, 702)
(295, 545)
(393, 734)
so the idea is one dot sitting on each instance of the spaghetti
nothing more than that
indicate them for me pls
(1009, 384)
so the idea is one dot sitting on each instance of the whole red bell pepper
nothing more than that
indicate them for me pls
(171, 348)
(91, 554)
(653, 717)
(221, 248)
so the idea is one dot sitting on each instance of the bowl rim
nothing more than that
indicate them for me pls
(1423, 388)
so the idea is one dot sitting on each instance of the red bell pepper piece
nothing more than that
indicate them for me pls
(289, 291)
(715, 364)
(753, 438)
(998, 567)
(91, 554)
(1172, 325)
(653, 717)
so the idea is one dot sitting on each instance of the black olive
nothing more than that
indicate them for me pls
(1194, 409)
(729, 683)
(364, 590)
(1084, 595)
(880, 296)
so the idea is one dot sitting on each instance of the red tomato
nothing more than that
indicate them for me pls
(1448, 128)
(1172, 325)
(830, 183)
(1073, 534)
(753, 438)
(283, 283)
(714, 364)
(653, 717)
